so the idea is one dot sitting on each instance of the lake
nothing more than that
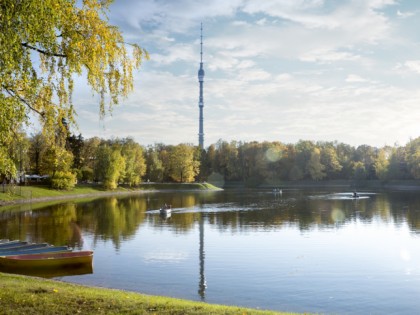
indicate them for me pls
(301, 250)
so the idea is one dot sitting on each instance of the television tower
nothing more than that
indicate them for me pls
(201, 101)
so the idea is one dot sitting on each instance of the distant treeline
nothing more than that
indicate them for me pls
(124, 161)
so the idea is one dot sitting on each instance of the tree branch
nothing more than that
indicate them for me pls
(14, 94)
(43, 51)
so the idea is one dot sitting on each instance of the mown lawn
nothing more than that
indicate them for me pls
(29, 295)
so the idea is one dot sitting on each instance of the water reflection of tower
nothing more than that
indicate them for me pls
(202, 284)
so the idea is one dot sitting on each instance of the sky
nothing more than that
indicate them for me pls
(275, 70)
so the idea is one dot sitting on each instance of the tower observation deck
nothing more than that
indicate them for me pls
(201, 98)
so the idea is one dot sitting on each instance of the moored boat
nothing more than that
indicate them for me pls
(47, 260)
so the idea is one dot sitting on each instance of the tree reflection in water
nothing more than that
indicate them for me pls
(118, 218)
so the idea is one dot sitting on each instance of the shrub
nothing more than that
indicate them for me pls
(63, 181)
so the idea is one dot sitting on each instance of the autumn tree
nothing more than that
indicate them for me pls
(314, 166)
(183, 167)
(43, 46)
(154, 166)
(226, 160)
(330, 160)
(304, 151)
(135, 166)
(56, 163)
(109, 166)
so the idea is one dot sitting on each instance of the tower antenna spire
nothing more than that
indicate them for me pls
(201, 98)
(201, 43)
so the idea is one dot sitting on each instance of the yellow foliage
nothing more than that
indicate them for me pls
(43, 44)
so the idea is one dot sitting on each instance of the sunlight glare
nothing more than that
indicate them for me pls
(273, 154)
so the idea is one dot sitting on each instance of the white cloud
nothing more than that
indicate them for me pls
(412, 65)
(324, 55)
(405, 15)
(275, 70)
(351, 78)
(176, 52)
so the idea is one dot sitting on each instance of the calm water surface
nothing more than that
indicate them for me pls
(302, 251)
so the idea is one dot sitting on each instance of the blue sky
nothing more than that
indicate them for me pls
(276, 70)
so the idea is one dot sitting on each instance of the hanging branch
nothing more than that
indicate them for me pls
(43, 51)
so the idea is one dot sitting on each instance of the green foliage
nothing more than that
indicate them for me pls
(63, 180)
(86, 174)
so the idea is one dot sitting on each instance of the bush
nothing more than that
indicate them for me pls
(86, 174)
(63, 181)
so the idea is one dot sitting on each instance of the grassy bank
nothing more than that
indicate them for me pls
(28, 295)
(18, 194)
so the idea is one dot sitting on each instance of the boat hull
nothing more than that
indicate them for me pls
(47, 260)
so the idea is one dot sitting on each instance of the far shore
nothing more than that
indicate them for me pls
(40, 193)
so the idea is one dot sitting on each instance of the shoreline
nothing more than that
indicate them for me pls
(95, 192)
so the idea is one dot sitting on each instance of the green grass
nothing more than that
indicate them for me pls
(178, 186)
(29, 295)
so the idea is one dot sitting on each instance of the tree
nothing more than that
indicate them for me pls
(18, 152)
(381, 164)
(57, 163)
(413, 157)
(43, 45)
(304, 150)
(75, 145)
(37, 148)
(154, 171)
(330, 160)
(359, 170)
(226, 160)
(135, 166)
(366, 155)
(182, 165)
(398, 168)
(110, 166)
(314, 166)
